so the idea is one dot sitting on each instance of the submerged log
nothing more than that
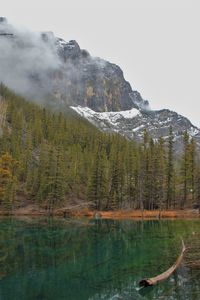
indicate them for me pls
(154, 280)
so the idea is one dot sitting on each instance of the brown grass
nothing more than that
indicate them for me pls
(32, 210)
(138, 214)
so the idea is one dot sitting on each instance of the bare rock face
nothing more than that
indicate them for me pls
(44, 67)
(131, 124)
(93, 82)
(75, 78)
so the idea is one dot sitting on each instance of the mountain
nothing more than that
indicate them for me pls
(44, 67)
(53, 163)
(50, 66)
(131, 124)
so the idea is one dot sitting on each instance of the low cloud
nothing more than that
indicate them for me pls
(27, 60)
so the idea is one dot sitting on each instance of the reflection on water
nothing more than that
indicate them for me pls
(90, 260)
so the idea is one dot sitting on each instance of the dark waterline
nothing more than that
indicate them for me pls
(93, 260)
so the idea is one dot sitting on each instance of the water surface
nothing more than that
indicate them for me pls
(93, 260)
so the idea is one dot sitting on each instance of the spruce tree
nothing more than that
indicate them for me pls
(170, 168)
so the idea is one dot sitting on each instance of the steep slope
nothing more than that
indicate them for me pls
(43, 67)
(40, 64)
(131, 123)
(49, 161)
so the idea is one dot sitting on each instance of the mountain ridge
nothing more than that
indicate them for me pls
(49, 69)
(131, 124)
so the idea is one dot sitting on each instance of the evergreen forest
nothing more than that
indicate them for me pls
(53, 159)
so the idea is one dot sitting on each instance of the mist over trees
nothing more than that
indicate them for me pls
(55, 160)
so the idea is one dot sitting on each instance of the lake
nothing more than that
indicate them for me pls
(73, 259)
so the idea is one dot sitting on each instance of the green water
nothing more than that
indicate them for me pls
(104, 259)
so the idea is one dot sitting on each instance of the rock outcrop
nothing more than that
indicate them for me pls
(49, 69)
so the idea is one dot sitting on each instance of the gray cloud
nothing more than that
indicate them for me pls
(42, 66)
(27, 60)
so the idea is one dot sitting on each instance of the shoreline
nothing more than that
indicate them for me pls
(33, 211)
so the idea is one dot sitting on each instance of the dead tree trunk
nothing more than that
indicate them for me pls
(154, 280)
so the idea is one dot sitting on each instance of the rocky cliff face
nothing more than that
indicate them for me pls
(92, 82)
(65, 71)
(44, 67)
(131, 124)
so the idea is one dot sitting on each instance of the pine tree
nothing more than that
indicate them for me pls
(7, 181)
(116, 176)
(185, 168)
(170, 169)
(161, 173)
(98, 180)
(192, 168)
(197, 184)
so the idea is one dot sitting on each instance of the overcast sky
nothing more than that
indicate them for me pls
(155, 42)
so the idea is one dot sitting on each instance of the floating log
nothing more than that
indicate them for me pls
(154, 280)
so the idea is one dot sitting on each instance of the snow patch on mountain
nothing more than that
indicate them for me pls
(193, 131)
(111, 117)
(138, 128)
(131, 124)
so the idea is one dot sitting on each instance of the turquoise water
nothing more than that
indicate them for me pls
(102, 259)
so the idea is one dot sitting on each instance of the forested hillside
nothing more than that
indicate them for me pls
(57, 160)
